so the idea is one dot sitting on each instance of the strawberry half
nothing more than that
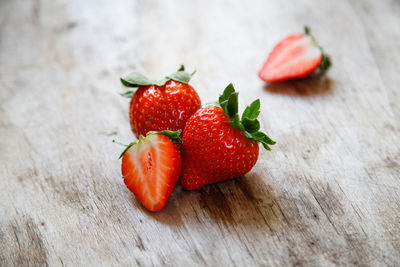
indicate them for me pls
(296, 56)
(218, 145)
(160, 105)
(151, 167)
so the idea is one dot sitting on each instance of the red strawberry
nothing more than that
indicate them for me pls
(151, 167)
(160, 105)
(296, 56)
(217, 145)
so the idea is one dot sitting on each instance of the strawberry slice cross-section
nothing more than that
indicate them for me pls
(296, 56)
(151, 167)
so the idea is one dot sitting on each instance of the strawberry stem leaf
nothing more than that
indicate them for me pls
(249, 123)
(262, 137)
(126, 147)
(307, 30)
(128, 94)
(266, 146)
(252, 111)
(173, 135)
(119, 143)
(326, 60)
(136, 80)
(213, 103)
(325, 63)
(180, 76)
(227, 92)
(232, 106)
(235, 122)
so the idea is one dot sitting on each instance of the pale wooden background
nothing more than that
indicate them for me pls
(328, 193)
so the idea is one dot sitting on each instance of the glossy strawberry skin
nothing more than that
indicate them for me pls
(166, 107)
(214, 151)
(151, 170)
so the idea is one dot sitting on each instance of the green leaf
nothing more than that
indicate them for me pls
(212, 103)
(227, 92)
(307, 30)
(251, 125)
(128, 94)
(262, 137)
(161, 82)
(258, 136)
(248, 135)
(173, 135)
(326, 60)
(223, 105)
(325, 63)
(135, 79)
(180, 76)
(125, 83)
(232, 107)
(127, 147)
(266, 146)
(235, 122)
(252, 111)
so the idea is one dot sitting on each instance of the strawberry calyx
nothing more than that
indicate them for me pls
(135, 80)
(248, 122)
(173, 135)
(326, 60)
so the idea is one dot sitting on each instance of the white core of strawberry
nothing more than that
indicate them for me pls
(136, 152)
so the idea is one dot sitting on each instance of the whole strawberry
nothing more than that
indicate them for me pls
(218, 145)
(160, 105)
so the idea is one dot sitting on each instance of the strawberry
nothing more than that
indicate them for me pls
(296, 56)
(151, 167)
(217, 145)
(160, 105)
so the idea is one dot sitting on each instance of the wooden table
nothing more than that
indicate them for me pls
(328, 193)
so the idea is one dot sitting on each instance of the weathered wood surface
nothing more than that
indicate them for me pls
(328, 193)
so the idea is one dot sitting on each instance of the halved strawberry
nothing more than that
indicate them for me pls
(151, 167)
(296, 56)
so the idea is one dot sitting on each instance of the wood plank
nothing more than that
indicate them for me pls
(328, 193)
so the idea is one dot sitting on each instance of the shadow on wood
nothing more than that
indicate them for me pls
(240, 201)
(310, 86)
(167, 216)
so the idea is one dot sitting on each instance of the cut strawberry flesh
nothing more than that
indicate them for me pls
(296, 56)
(151, 169)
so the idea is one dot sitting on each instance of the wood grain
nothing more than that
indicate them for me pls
(328, 193)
